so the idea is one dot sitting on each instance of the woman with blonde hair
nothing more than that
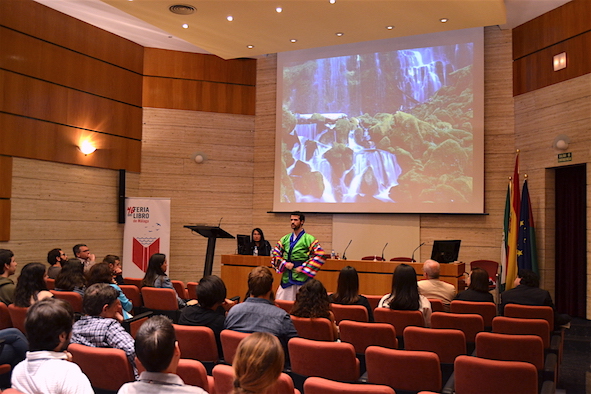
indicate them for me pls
(258, 363)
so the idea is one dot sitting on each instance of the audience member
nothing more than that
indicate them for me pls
(432, 287)
(158, 351)
(48, 367)
(14, 350)
(210, 310)
(477, 287)
(31, 286)
(257, 364)
(101, 273)
(405, 293)
(101, 324)
(258, 241)
(312, 302)
(156, 277)
(71, 277)
(348, 291)
(527, 292)
(258, 313)
(82, 252)
(55, 258)
(116, 268)
(8, 267)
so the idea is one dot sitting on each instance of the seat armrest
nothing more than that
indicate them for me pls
(550, 368)
(449, 387)
(548, 387)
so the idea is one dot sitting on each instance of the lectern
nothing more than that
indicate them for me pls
(211, 233)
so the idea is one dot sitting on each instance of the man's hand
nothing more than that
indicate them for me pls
(192, 302)
(227, 304)
(91, 258)
(298, 269)
(289, 266)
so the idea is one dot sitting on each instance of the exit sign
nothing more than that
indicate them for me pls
(562, 157)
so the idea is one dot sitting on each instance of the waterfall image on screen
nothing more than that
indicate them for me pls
(384, 127)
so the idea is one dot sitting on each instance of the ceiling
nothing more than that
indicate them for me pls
(313, 23)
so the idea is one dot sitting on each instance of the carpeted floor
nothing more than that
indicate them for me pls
(575, 373)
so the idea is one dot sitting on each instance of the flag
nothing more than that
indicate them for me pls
(513, 227)
(505, 240)
(526, 241)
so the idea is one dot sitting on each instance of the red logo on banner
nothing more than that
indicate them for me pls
(141, 252)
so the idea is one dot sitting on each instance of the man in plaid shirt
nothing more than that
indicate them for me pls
(101, 326)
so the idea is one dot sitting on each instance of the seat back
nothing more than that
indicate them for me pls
(399, 319)
(349, 312)
(316, 385)
(373, 300)
(330, 360)
(362, 335)
(436, 305)
(507, 347)
(72, 297)
(159, 298)
(319, 329)
(18, 315)
(472, 374)
(179, 287)
(50, 283)
(487, 310)
(447, 344)
(134, 281)
(230, 340)
(223, 376)
(491, 267)
(516, 326)
(530, 312)
(193, 372)
(469, 324)
(132, 292)
(192, 290)
(403, 369)
(196, 342)
(106, 368)
(133, 324)
(5, 320)
(374, 258)
(285, 305)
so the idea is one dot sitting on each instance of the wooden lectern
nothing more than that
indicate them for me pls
(211, 233)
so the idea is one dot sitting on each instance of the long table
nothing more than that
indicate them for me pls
(375, 277)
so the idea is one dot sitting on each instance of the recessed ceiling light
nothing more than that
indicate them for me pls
(293, 40)
(339, 34)
(230, 18)
(278, 9)
(250, 46)
(390, 27)
(332, 1)
(185, 26)
(443, 20)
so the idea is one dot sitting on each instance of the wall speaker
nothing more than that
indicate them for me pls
(121, 196)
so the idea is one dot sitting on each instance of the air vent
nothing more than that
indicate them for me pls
(181, 9)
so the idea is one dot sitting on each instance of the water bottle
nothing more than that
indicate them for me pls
(332, 255)
(255, 252)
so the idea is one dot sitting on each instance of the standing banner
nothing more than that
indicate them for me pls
(147, 231)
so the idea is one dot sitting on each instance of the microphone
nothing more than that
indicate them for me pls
(345, 251)
(220, 221)
(383, 251)
(413, 252)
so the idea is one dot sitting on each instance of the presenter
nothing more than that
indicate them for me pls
(298, 256)
(259, 246)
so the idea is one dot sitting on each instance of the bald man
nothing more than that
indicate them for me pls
(432, 287)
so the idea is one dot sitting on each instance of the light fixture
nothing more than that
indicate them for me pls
(198, 157)
(86, 147)
(332, 1)
(339, 34)
(230, 18)
(561, 142)
(278, 9)
(390, 27)
(443, 20)
(250, 46)
(185, 26)
(559, 61)
(293, 40)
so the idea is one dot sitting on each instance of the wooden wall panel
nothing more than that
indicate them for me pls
(39, 21)
(5, 209)
(5, 176)
(22, 53)
(197, 66)
(31, 138)
(560, 24)
(536, 70)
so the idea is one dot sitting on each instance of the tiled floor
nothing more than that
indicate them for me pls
(575, 373)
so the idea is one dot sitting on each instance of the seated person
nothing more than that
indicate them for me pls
(156, 277)
(258, 363)
(312, 302)
(101, 273)
(101, 324)
(48, 367)
(14, 349)
(31, 286)
(477, 287)
(55, 258)
(432, 287)
(405, 294)
(7, 269)
(210, 310)
(158, 351)
(258, 241)
(115, 266)
(71, 277)
(348, 291)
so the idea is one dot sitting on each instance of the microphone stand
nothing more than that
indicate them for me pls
(413, 252)
(345, 251)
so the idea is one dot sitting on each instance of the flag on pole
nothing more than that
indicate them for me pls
(504, 243)
(513, 227)
(526, 241)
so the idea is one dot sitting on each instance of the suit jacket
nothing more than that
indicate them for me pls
(525, 295)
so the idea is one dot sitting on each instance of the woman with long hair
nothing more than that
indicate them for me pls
(405, 293)
(348, 291)
(102, 273)
(71, 277)
(156, 276)
(258, 241)
(477, 288)
(31, 286)
(257, 364)
(312, 302)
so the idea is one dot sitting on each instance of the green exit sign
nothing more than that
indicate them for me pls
(562, 157)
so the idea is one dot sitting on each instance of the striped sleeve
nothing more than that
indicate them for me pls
(315, 260)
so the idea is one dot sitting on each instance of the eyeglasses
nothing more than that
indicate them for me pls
(84, 251)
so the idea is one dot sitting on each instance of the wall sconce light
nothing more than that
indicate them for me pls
(561, 142)
(86, 147)
(559, 61)
(198, 157)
